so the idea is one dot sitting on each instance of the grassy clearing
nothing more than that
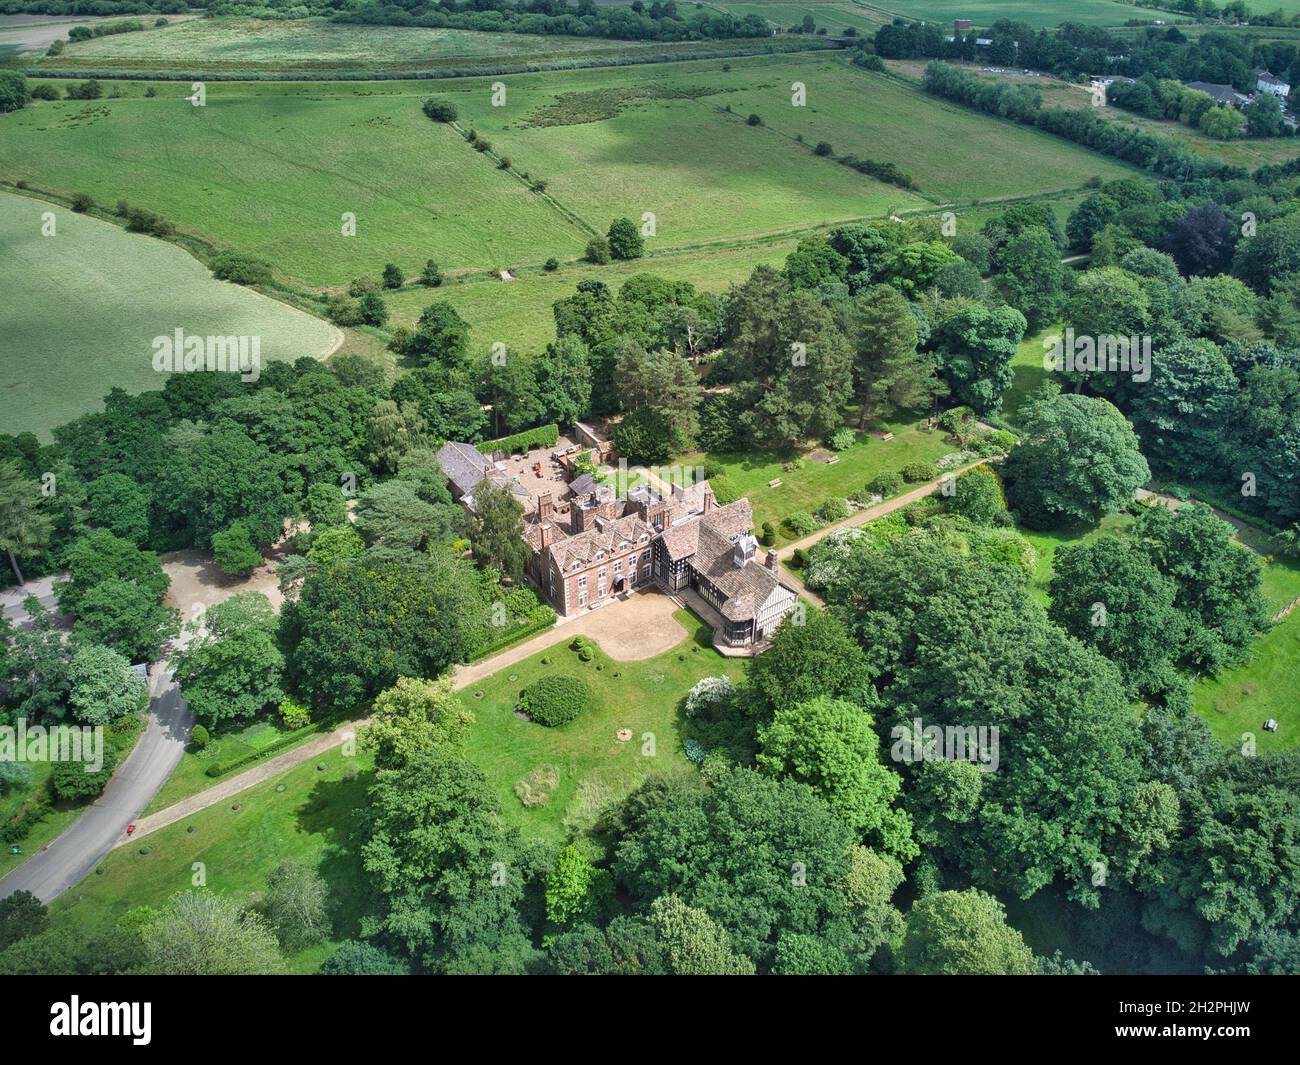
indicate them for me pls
(271, 170)
(591, 766)
(314, 819)
(81, 309)
(808, 487)
(518, 313)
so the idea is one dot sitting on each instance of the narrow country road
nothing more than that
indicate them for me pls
(75, 852)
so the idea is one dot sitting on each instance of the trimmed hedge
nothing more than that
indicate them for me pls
(541, 619)
(555, 700)
(218, 769)
(542, 436)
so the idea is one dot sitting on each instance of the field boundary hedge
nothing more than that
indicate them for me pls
(543, 618)
(220, 769)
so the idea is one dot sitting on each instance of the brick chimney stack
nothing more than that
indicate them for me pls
(710, 500)
(545, 506)
(547, 531)
(770, 560)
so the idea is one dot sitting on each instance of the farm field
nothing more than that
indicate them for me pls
(983, 13)
(811, 485)
(272, 172)
(270, 168)
(879, 117)
(81, 315)
(314, 819)
(240, 44)
(593, 766)
(518, 313)
(834, 15)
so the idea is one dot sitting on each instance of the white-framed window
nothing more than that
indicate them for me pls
(582, 582)
(645, 537)
(600, 555)
(582, 597)
(618, 565)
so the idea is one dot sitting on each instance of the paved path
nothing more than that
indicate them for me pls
(631, 629)
(867, 514)
(79, 848)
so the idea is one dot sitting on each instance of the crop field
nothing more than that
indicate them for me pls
(235, 44)
(80, 310)
(983, 13)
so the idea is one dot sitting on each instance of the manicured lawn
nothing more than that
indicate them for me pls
(807, 488)
(80, 310)
(593, 766)
(190, 777)
(314, 819)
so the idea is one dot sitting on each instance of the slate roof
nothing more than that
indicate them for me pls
(584, 485)
(746, 587)
(584, 546)
(1220, 94)
(464, 464)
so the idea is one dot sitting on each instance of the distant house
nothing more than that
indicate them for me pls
(1271, 84)
(983, 42)
(961, 25)
(1105, 81)
(1220, 94)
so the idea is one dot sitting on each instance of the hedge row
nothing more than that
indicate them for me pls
(542, 436)
(218, 769)
(541, 619)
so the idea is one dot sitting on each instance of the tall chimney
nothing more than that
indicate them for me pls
(770, 560)
(547, 531)
(545, 506)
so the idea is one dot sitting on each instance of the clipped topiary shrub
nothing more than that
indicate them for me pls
(834, 509)
(199, 736)
(554, 701)
(919, 472)
(886, 485)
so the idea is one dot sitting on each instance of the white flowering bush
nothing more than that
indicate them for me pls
(707, 694)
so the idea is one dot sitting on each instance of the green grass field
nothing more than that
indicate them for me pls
(810, 486)
(834, 15)
(271, 170)
(81, 308)
(241, 44)
(518, 313)
(313, 819)
(953, 154)
(594, 767)
(983, 13)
